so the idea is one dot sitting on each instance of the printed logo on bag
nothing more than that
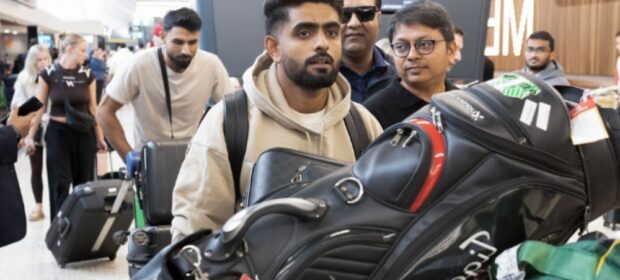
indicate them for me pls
(476, 247)
(474, 114)
(515, 86)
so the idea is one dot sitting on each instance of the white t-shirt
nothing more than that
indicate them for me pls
(140, 83)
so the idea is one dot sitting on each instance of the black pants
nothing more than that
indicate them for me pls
(36, 163)
(70, 159)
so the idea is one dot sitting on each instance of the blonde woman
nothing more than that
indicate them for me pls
(26, 86)
(72, 137)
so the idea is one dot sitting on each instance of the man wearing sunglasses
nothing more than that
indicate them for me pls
(422, 39)
(367, 68)
(539, 59)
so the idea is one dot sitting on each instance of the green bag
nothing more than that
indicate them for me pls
(583, 260)
(2, 96)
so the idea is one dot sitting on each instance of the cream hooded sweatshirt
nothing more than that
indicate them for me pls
(204, 194)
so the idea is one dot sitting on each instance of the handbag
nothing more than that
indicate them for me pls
(79, 121)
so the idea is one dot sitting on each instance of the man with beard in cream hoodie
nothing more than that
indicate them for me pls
(296, 99)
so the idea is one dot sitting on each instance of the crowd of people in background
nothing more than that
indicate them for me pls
(300, 88)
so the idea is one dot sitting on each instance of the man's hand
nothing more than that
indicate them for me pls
(21, 123)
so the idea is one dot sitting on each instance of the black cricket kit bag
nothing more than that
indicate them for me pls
(437, 196)
(93, 212)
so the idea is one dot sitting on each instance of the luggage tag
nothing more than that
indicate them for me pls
(586, 124)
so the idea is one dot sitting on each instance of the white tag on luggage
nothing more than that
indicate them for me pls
(586, 124)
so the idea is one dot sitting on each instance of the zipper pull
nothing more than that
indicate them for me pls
(413, 134)
(436, 115)
(396, 138)
(299, 176)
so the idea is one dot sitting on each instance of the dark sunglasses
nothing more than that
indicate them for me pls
(363, 13)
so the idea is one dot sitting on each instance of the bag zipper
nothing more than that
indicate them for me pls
(498, 145)
(476, 202)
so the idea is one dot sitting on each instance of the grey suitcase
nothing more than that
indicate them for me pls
(93, 212)
(158, 172)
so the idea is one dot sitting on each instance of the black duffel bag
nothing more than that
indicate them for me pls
(437, 196)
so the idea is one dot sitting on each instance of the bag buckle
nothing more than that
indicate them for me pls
(350, 189)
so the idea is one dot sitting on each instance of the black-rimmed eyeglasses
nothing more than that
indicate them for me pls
(423, 47)
(363, 13)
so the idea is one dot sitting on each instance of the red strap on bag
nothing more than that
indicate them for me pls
(437, 161)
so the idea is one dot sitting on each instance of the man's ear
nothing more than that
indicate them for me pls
(273, 48)
(451, 48)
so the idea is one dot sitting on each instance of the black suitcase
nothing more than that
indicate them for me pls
(144, 244)
(83, 228)
(158, 172)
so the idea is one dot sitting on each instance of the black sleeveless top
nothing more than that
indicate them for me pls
(72, 83)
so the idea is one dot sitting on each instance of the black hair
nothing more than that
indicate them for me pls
(543, 35)
(276, 11)
(458, 30)
(378, 4)
(183, 17)
(426, 13)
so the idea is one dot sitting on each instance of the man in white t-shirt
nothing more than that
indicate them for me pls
(193, 77)
(119, 60)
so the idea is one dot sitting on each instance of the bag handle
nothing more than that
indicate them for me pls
(232, 235)
(164, 77)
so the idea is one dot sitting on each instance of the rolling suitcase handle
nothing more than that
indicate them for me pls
(116, 205)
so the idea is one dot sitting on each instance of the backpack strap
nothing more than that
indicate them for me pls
(357, 131)
(236, 134)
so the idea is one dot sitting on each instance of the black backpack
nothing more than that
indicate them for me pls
(437, 196)
(236, 133)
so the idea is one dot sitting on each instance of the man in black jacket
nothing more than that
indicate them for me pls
(422, 40)
(367, 68)
(12, 213)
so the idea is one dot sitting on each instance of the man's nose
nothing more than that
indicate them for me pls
(354, 21)
(321, 42)
(185, 49)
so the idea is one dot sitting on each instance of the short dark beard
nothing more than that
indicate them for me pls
(302, 77)
(538, 68)
(178, 61)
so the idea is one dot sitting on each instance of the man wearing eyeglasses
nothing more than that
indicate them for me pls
(422, 38)
(367, 68)
(539, 59)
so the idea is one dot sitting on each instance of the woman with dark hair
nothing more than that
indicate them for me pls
(72, 136)
(37, 59)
